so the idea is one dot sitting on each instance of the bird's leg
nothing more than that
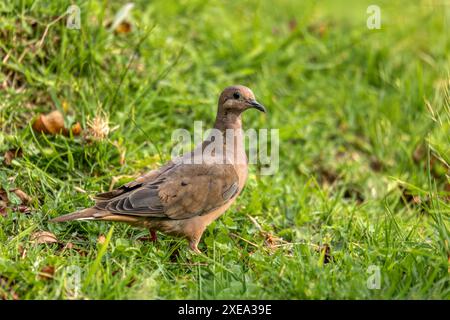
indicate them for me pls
(153, 236)
(194, 239)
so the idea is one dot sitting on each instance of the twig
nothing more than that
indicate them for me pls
(257, 225)
(39, 44)
(245, 240)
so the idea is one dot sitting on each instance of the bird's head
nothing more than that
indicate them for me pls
(237, 99)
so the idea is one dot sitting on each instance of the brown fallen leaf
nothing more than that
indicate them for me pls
(3, 208)
(4, 196)
(40, 237)
(22, 196)
(11, 154)
(5, 201)
(53, 123)
(47, 273)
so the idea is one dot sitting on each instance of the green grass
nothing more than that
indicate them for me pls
(351, 107)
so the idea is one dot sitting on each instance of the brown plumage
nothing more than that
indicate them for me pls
(183, 197)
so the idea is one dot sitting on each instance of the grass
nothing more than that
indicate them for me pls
(364, 120)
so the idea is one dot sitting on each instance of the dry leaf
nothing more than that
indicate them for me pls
(3, 196)
(22, 196)
(11, 154)
(52, 123)
(5, 201)
(43, 237)
(47, 273)
(2, 208)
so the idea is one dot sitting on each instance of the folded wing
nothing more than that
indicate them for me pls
(179, 192)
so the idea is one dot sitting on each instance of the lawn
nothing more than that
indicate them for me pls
(358, 208)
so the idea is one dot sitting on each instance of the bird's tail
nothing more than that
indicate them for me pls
(86, 214)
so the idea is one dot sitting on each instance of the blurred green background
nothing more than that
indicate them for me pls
(364, 120)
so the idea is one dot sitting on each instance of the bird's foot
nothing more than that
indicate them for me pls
(193, 246)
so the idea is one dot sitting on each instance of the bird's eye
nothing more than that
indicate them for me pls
(236, 95)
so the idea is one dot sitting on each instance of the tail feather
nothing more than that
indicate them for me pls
(86, 214)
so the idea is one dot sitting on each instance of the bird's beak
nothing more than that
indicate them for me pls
(255, 104)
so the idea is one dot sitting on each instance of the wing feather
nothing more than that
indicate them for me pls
(183, 191)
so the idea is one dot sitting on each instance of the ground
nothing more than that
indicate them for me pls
(358, 208)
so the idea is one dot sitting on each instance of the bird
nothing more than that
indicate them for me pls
(186, 194)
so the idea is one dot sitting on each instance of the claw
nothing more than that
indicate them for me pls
(193, 246)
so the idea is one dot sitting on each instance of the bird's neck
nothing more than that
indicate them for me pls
(227, 120)
(230, 125)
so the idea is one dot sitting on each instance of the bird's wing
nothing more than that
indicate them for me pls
(185, 191)
(140, 181)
